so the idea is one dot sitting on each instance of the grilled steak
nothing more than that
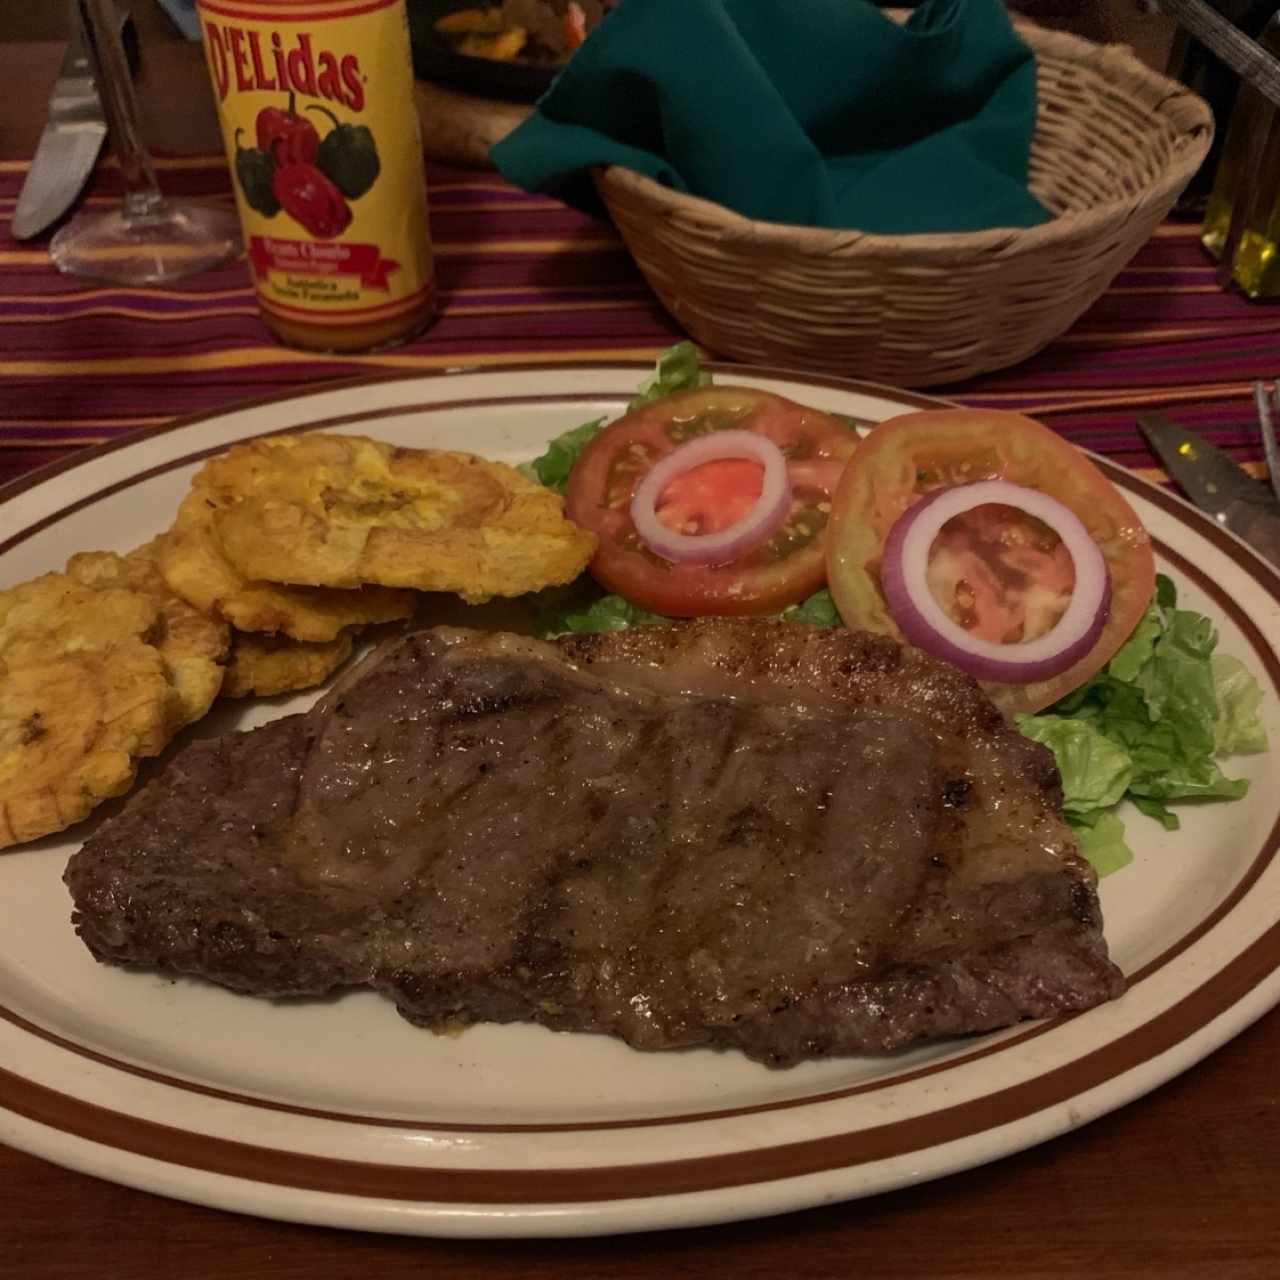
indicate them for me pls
(790, 841)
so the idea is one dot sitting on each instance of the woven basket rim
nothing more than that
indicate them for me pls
(1168, 97)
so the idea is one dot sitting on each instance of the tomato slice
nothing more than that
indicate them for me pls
(711, 497)
(1001, 574)
(998, 594)
(783, 571)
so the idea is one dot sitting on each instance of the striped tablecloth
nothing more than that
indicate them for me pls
(523, 277)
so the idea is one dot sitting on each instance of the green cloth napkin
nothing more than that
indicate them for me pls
(819, 112)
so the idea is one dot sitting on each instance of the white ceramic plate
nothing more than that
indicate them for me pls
(339, 1112)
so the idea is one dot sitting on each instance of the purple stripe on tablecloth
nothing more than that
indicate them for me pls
(1179, 252)
(70, 302)
(1171, 309)
(521, 274)
(532, 271)
(512, 223)
(122, 398)
(1196, 361)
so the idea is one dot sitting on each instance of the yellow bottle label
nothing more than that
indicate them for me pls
(315, 98)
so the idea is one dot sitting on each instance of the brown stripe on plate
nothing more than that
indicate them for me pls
(85, 457)
(673, 1177)
(1262, 860)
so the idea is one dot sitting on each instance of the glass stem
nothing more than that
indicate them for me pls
(119, 106)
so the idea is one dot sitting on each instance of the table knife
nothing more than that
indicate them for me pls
(1217, 484)
(69, 145)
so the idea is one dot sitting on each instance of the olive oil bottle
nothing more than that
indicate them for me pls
(1242, 217)
(1201, 70)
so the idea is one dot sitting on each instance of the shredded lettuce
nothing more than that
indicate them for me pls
(819, 610)
(1238, 728)
(1100, 770)
(583, 608)
(552, 467)
(576, 611)
(677, 369)
(1102, 843)
(1151, 724)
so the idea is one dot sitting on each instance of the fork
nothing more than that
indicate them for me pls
(1268, 402)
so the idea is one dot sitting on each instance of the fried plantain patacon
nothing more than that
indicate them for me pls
(193, 645)
(263, 666)
(99, 667)
(343, 511)
(195, 566)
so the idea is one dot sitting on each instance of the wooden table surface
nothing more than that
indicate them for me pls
(1183, 1182)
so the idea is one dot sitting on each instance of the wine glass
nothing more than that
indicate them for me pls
(149, 239)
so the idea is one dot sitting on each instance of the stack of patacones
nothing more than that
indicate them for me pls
(283, 550)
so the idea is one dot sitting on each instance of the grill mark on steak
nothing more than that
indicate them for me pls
(769, 837)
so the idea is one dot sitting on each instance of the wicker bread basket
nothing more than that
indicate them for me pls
(1114, 145)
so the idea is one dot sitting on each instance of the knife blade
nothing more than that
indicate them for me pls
(1217, 484)
(69, 145)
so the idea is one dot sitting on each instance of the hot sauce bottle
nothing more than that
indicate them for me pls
(315, 98)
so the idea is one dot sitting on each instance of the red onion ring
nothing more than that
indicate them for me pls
(926, 625)
(760, 523)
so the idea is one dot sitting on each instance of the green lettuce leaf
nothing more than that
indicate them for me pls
(1102, 844)
(1136, 652)
(1177, 680)
(677, 369)
(607, 613)
(1160, 812)
(1238, 729)
(552, 467)
(819, 610)
(1096, 771)
(583, 607)
(1150, 725)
